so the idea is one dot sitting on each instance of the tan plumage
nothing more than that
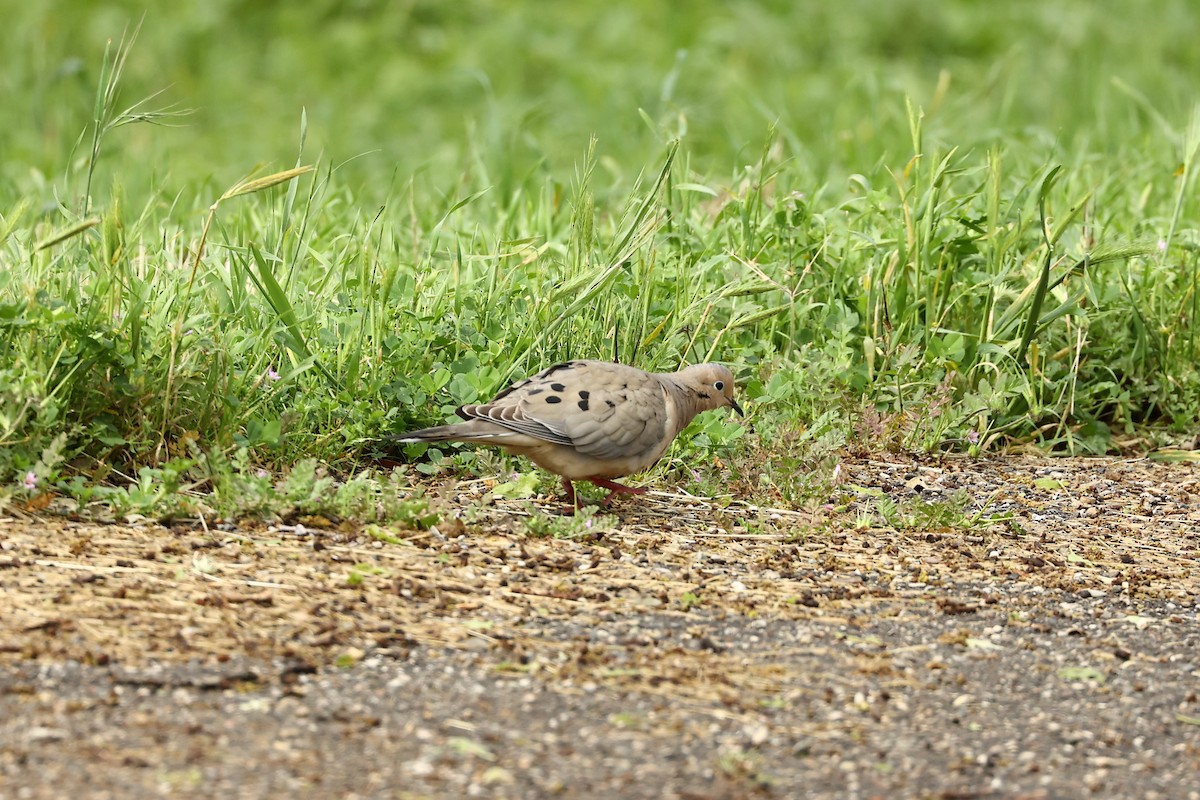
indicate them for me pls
(591, 420)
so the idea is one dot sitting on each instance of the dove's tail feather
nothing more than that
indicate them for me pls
(461, 432)
(442, 433)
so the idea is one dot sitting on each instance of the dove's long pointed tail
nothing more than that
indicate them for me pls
(441, 433)
(460, 432)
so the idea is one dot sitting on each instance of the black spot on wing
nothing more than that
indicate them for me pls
(584, 394)
(553, 399)
(526, 381)
(583, 404)
(510, 390)
(558, 387)
(546, 373)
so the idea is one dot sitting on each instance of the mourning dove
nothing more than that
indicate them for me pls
(591, 420)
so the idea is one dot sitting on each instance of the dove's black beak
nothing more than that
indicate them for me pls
(736, 407)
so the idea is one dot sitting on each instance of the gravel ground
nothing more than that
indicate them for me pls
(681, 649)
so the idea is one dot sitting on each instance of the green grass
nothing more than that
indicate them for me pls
(927, 226)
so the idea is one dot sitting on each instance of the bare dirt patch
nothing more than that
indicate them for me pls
(687, 650)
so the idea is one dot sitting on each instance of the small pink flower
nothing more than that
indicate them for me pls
(973, 437)
(272, 375)
(1162, 245)
(31, 480)
(261, 473)
(837, 471)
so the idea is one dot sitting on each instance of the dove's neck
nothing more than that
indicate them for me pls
(683, 403)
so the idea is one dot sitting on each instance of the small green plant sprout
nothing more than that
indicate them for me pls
(382, 534)
(519, 486)
(689, 600)
(584, 524)
(361, 571)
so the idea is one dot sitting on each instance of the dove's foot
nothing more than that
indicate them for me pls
(615, 489)
(575, 502)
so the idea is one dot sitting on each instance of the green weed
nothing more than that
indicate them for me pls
(586, 523)
(362, 572)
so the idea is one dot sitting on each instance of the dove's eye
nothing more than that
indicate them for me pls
(719, 386)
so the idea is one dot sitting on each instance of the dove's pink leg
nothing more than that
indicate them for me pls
(616, 489)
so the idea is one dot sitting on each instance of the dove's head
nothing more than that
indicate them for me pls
(711, 385)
